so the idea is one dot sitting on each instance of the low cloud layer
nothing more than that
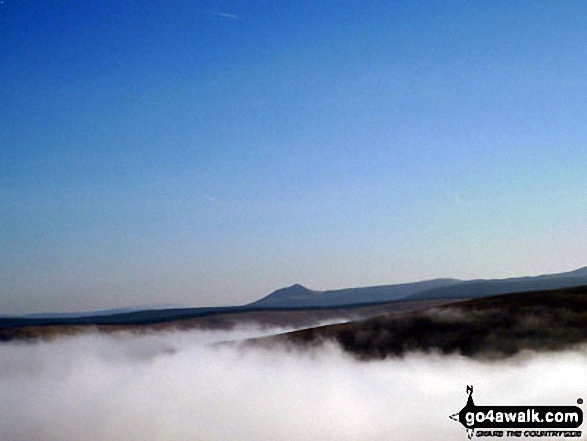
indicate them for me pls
(179, 386)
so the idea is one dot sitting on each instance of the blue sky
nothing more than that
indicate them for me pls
(207, 153)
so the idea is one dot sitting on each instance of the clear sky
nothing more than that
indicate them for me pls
(209, 152)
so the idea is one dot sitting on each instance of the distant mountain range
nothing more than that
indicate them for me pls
(298, 296)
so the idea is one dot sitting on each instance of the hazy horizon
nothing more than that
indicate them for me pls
(260, 296)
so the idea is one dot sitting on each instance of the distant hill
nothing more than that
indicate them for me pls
(298, 296)
(483, 288)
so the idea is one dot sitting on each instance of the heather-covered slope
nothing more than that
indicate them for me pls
(494, 326)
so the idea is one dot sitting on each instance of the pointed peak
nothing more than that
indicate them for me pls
(293, 289)
(291, 295)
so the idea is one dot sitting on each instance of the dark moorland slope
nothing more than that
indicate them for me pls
(202, 319)
(496, 326)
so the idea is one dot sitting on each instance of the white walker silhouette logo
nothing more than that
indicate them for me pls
(486, 418)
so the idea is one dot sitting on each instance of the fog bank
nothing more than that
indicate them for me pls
(179, 386)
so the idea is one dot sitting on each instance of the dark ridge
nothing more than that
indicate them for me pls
(483, 288)
(497, 326)
(162, 316)
(199, 318)
(297, 298)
